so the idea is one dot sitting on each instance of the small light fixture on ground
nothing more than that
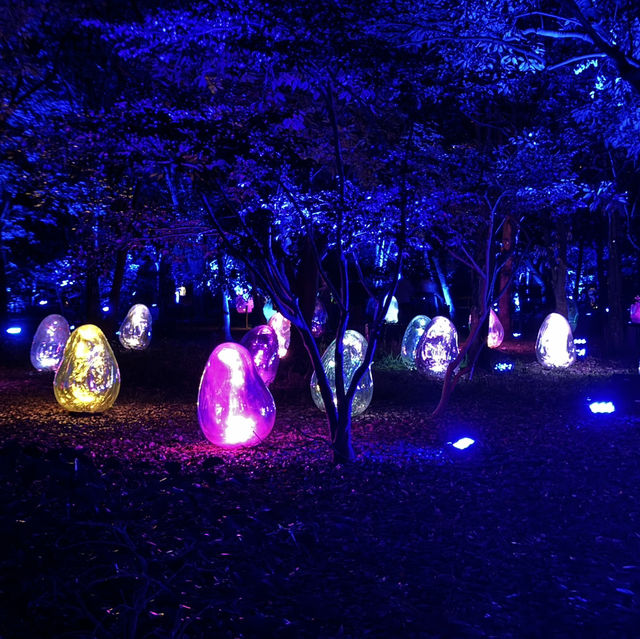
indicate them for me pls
(14, 330)
(503, 367)
(463, 443)
(602, 407)
(581, 347)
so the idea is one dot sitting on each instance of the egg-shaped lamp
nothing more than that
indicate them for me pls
(235, 408)
(437, 347)
(414, 331)
(49, 340)
(554, 346)
(282, 326)
(88, 378)
(262, 344)
(354, 347)
(496, 332)
(135, 330)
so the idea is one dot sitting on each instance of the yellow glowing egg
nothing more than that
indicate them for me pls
(88, 378)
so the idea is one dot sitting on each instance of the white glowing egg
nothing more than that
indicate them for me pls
(48, 343)
(554, 346)
(135, 330)
(437, 347)
(414, 331)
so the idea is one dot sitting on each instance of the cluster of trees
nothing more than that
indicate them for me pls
(323, 146)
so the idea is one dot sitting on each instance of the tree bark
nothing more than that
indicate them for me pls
(614, 316)
(505, 279)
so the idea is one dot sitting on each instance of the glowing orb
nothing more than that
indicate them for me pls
(244, 304)
(415, 330)
(262, 344)
(496, 332)
(354, 348)
(463, 443)
(282, 326)
(437, 347)
(135, 330)
(235, 408)
(554, 346)
(602, 407)
(635, 311)
(392, 312)
(48, 343)
(88, 378)
(319, 319)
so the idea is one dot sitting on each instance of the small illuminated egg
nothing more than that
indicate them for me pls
(244, 304)
(282, 326)
(267, 309)
(496, 332)
(354, 347)
(392, 312)
(235, 408)
(88, 378)
(262, 343)
(414, 331)
(48, 343)
(554, 345)
(437, 347)
(135, 330)
(319, 319)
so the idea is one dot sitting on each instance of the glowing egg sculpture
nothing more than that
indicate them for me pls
(392, 312)
(354, 347)
(235, 408)
(415, 330)
(88, 378)
(282, 326)
(635, 311)
(244, 304)
(496, 332)
(48, 343)
(437, 347)
(319, 319)
(554, 346)
(135, 330)
(267, 309)
(262, 344)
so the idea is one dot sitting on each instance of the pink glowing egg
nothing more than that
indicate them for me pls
(635, 311)
(48, 343)
(235, 408)
(262, 343)
(244, 304)
(496, 332)
(282, 326)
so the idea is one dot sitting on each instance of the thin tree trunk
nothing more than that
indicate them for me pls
(116, 285)
(505, 279)
(4, 296)
(614, 318)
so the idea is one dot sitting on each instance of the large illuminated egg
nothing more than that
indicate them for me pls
(634, 311)
(235, 408)
(319, 319)
(282, 326)
(48, 343)
(437, 347)
(415, 330)
(392, 312)
(554, 346)
(88, 378)
(135, 330)
(354, 347)
(262, 344)
(496, 332)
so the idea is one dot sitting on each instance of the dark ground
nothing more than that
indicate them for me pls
(128, 524)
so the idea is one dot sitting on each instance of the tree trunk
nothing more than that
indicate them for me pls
(614, 316)
(341, 437)
(226, 316)
(116, 285)
(559, 272)
(505, 279)
(4, 296)
(92, 301)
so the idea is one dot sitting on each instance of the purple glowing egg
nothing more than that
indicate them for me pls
(282, 326)
(496, 332)
(235, 408)
(262, 343)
